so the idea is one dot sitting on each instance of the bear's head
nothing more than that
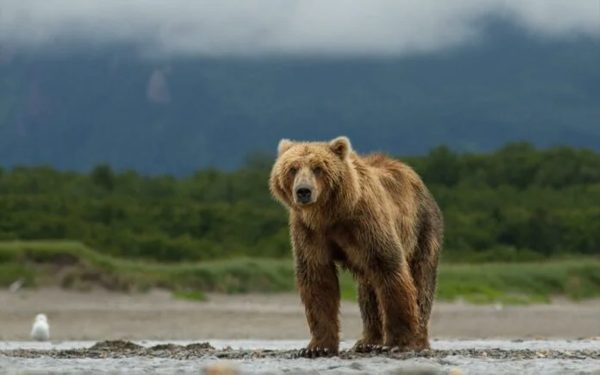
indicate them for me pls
(311, 174)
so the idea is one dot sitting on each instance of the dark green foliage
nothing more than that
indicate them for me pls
(103, 176)
(547, 202)
(518, 203)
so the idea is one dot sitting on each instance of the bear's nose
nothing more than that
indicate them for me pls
(303, 194)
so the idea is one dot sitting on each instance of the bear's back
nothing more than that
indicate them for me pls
(395, 176)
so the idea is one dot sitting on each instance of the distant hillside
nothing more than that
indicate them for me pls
(74, 109)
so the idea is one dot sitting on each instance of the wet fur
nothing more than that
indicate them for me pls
(375, 217)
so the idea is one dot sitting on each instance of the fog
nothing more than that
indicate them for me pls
(258, 27)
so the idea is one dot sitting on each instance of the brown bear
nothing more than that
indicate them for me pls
(373, 216)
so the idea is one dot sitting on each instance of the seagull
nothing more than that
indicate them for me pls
(40, 330)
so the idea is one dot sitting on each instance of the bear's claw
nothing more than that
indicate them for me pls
(315, 352)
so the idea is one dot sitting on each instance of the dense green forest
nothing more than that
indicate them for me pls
(517, 203)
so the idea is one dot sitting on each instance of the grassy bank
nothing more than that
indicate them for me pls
(73, 265)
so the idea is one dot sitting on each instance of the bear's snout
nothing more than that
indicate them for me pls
(304, 194)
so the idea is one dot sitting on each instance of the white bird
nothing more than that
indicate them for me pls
(40, 330)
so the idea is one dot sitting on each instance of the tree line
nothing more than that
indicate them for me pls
(516, 203)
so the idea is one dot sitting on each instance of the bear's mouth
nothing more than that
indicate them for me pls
(301, 203)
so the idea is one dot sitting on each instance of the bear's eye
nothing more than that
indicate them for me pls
(293, 171)
(317, 171)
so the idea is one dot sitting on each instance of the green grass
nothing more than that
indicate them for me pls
(521, 282)
(190, 295)
(73, 265)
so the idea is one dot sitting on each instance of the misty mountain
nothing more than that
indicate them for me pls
(79, 106)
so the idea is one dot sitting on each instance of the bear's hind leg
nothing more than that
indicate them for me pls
(425, 276)
(371, 316)
(397, 298)
(423, 267)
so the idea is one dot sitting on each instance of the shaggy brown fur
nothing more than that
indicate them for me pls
(372, 215)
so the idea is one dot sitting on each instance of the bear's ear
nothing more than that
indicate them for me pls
(284, 145)
(341, 147)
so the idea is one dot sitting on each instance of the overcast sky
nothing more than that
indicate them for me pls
(256, 27)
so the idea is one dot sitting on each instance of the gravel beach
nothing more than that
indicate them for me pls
(275, 357)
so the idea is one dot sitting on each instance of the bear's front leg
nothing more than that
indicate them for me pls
(320, 293)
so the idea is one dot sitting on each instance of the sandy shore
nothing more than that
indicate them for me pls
(156, 315)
